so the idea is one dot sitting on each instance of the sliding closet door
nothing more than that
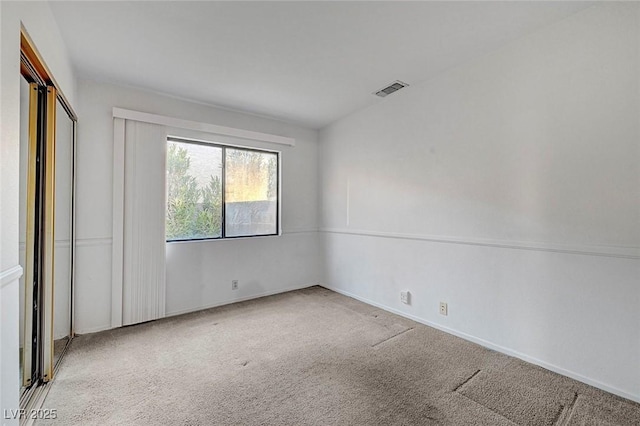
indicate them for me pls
(46, 231)
(63, 247)
(47, 164)
(24, 152)
(29, 229)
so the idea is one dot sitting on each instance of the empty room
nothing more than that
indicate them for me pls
(319, 213)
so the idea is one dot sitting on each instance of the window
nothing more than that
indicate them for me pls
(215, 191)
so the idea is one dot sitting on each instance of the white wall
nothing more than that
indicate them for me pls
(484, 187)
(199, 274)
(41, 26)
(509, 188)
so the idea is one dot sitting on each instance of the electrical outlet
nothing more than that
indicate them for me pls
(443, 309)
(234, 285)
(405, 297)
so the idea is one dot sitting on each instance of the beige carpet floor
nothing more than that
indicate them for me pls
(311, 357)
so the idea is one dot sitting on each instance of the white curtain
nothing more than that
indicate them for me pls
(143, 267)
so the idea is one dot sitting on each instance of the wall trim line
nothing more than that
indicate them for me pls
(201, 127)
(92, 242)
(10, 275)
(493, 346)
(57, 243)
(589, 250)
(299, 231)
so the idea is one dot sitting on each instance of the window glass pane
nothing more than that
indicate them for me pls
(251, 193)
(194, 191)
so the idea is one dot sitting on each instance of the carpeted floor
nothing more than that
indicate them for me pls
(311, 357)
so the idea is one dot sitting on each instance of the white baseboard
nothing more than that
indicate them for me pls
(203, 307)
(93, 329)
(240, 299)
(493, 346)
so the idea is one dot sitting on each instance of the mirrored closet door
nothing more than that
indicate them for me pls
(63, 226)
(28, 271)
(47, 170)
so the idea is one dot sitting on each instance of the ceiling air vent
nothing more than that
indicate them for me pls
(393, 87)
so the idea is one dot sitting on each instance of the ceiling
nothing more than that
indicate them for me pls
(308, 63)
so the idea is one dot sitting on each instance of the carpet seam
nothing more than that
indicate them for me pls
(569, 410)
(391, 337)
(485, 407)
(465, 382)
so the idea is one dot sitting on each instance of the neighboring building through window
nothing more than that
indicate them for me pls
(215, 191)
